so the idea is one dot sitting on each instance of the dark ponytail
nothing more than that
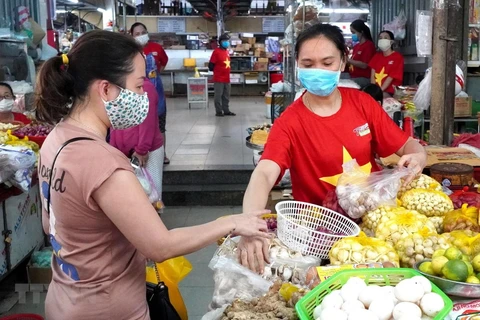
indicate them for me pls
(360, 26)
(64, 81)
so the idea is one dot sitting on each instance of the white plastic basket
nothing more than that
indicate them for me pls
(297, 223)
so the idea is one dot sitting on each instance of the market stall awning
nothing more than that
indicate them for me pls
(231, 8)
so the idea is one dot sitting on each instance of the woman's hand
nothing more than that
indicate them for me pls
(142, 160)
(253, 253)
(415, 162)
(250, 224)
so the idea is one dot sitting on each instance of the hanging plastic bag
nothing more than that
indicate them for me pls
(172, 272)
(17, 168)
(147, 183)
(359, 192)
(397, 25)
(423, 33)
(424, 93)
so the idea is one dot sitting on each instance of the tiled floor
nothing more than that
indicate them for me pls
(197, 288)
(198, 139)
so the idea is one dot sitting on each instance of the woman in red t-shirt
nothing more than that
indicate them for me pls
(387, 66)
(322, 130)
(7, 99)
(362, 53)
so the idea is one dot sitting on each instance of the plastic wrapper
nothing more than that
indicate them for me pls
(359, 192)
(19, 168)
(419, 246)
(465, 218)
(467, 241)
(397, 25)
(403, 225)
(464, 196)
(391, 105)
(42, 258)
(438, 223)
(362, 249)
(421, 182)
(465, 310)
(428, 202)
(372, 219)
(147, 183)
(331, 202)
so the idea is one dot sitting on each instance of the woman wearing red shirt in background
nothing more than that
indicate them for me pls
(7, 99)
(140, 33)
(363, 52)
(387, 66)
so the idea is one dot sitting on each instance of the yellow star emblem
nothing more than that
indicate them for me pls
(333, 180)
(380, 76)
(227, 63)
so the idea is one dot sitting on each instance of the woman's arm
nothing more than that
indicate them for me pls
(387, 83)
(372, 77)
(132, 213)
(413, 156)
(358, 64)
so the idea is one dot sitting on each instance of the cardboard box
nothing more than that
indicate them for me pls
(239, 48)
(463, 107)
(277, 196)
(259, 45)
(38, 275)
(247, 46)
(251, 40)
(263, 60)
(260, 66)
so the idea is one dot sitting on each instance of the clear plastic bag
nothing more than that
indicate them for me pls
(423, 33)
(17, 166)
(359, 192)
(397, 25)
(147, 183)
(424, 93)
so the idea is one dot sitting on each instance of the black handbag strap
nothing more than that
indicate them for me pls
(66, 143)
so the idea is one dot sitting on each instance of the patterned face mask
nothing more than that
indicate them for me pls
(128, 110)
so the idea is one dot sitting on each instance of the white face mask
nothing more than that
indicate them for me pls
(384, 44)
(143, 39)
(6, 105)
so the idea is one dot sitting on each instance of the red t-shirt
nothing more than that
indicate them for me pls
(363, 52)
(21, 118)
(221, 59)
(390, 66)
(314, 148)
(158, 53)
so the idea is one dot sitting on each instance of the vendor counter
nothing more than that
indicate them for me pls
(21, 225)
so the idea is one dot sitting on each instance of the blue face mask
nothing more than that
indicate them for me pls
(319, 82)
(354, 37)
(225, 44)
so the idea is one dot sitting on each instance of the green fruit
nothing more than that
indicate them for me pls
(427, 268)
(438, 263)
(473, 279)
(465, 258)
(455, 270)
(476, 263)
(438, 253)
(453, 253)
(470, 268)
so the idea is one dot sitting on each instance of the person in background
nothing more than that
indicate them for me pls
(140, 33)
(374, 91)
(97, 216)
(362, 53)
(387, 65)
(220, 65)
(7, 100)
(145, 141)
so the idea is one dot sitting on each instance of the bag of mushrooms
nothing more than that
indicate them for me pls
(359, 191)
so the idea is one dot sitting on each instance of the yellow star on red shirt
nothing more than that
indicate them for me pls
(227, 63)
(380, 76)
(333, 180)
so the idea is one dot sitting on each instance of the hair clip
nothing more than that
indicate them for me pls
(65, 61)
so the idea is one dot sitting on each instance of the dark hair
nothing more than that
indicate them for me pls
(224, 36)
(332, 33)
(390, 34)
(360, 26)
(4, 84)
(374, 91)
(97, 55)
(137, 24)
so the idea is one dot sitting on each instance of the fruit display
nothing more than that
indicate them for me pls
(465, 240)
(33, 130)
(9, 126)
(464, 218)
(421, 182)
(418, 247)
(259, 137)
(3, 137)
(411, 298)
(438, 223)
(428, 202)
(372, 219)
(402, 225)
(463, 196)
(362, 249)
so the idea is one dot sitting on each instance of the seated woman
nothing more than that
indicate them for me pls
(7, 99)
(387, 66)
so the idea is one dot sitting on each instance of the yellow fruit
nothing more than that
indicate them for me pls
(465, 258)
(438, 253)
(476, 263)
(427, 268)
(453, 253)
(470, 268)
(438, 263)
(473, 279)
(455, 270)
